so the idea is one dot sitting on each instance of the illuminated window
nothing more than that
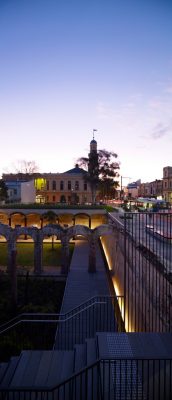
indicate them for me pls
(40, 183)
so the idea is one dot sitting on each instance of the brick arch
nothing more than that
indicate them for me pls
(52, 229)
(17, 214)
(5, 231)
(33, 214)
(30, 231)
(103, 230)
(79, 230)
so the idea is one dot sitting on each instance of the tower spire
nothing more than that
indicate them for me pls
(94, 130)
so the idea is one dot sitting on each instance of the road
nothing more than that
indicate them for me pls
(136, 224)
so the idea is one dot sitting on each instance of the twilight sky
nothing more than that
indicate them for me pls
(68, 66)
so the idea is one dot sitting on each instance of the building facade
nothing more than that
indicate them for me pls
(167, 184)
(69, 187)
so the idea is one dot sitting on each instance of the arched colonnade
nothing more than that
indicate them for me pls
(63, 234)
(40, 219)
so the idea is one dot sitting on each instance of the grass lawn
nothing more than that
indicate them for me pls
(25, 254)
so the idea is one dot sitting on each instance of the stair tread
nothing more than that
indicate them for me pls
(3, 367)
(18, 375)
(54, 374)
(68, 365)
(43, 369)
(80, 356)
(91, 350)
(12, 365)
(31, 368)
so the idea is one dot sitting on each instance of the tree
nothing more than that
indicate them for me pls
(3, 190)
(23, 167)
(102, 169)
(51, 218)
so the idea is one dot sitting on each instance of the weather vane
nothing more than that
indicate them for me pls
(94, 130)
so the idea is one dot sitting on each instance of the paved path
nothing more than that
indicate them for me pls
(82, 285)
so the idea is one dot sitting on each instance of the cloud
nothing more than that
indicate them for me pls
(102, 110)
(160, 130)
(169, 89)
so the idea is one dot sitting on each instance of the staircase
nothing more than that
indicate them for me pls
(46, 369)
(114, 366)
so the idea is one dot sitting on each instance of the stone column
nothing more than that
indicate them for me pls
(65, 255)
(92, 256)
(25, 225)
(38, 255)
(12, 270)
(90, 222)
(41, 222)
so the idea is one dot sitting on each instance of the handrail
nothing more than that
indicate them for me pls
(83, 370)
(55, 320)
(63, 315)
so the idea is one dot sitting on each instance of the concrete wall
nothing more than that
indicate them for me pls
(147, 291)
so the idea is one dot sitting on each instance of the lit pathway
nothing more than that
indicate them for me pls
(81, 285)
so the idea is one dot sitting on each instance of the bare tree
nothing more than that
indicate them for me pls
(26, 167)
(22, 167)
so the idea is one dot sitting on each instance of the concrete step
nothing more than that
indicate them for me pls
(91, 350)
(20, 370)
(56, 371)
(3, 368)
(80, 357)
(9, 372)
(31, 369)
(43, 369)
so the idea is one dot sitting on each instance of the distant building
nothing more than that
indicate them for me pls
(167, 184)
(132, 189)
(68, 187)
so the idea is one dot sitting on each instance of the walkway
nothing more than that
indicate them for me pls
(82, 285)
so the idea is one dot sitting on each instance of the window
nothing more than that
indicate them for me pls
(47, 185)
(165, 184)
(54, 185)
(69, 185)
(15, 191)
(61, 185)
(85, 186)
(54, 198)
(76, 185)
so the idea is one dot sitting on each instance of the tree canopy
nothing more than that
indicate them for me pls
(102, 170)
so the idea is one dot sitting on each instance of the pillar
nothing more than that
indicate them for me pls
(25, 225)
(38, 255)
(92, 256)
(65, 255)
(90, 222)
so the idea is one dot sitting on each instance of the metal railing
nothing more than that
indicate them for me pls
(144, 243)
(61, 331)
(116, 379)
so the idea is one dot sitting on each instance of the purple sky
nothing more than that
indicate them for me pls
(69, 66)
